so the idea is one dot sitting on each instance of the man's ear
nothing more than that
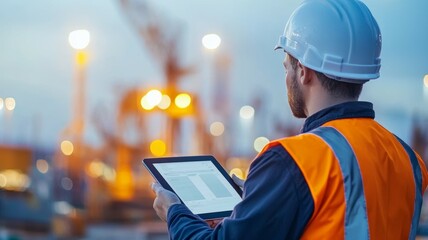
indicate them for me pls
(306, 74)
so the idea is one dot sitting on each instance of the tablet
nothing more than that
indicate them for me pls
(200, 182)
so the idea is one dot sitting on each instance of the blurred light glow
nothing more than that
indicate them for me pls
(62, 207)
(145, 103)
(155, 96)
(109, 174)
(67, 147)
(211, 41)
(182, 100)
(151, 99)
(260, 143)
(216, 129)
(79, 39)
(96, 169)
(14, 180)
(10, 103)
(246, 112)
(238, 172)
(158, 148)
(42, 166)
(66, 183)
(165, 102)
(81, 58)
(1, 103)
(426, 81)
(3, 181)
(43, 189)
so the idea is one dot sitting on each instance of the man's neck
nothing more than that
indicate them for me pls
(321, 103)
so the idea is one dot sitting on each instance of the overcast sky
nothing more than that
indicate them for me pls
(36, 61)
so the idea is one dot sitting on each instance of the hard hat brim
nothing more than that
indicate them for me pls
(300, 52)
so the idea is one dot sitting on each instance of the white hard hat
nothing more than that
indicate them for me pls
(339, 38)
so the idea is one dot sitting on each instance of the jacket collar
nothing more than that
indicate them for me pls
(344, 110)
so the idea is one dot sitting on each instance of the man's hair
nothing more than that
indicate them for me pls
(334, 87)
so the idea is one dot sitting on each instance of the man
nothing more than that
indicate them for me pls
(344, 176)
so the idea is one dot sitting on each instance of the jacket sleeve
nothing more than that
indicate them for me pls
(424, 172)
(276, 205)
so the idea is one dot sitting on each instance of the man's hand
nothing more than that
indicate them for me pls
(164, 199)
(238, 181)
(214, 222)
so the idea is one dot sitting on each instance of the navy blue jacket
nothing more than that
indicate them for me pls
(277, 203)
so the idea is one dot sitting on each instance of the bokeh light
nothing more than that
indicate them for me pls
(42, 166)
(62, 207)
(109, 173)
(66, 183)
(216, 129)
(10, 103)
(246, 112)
(96, 169)
(260, 143)
(158, 148)
(211, 41)
(151, 99)
(182, 100)
(165, 102)
(14, 180)
(79, 39)
(3, 180)
(67, 147)
(81, 58)
(1, 103)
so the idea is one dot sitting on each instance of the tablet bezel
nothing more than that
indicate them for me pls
(148, 163)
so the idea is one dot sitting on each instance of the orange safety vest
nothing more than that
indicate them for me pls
(365, 182)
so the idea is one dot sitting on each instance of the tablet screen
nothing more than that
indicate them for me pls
(200, 185)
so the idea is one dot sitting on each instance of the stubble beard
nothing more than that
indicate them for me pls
(295, 99)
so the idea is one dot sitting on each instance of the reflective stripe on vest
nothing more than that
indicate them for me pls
(418, 182)
(356, 223)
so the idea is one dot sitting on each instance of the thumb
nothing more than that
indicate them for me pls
(238, 181)
(156, 187)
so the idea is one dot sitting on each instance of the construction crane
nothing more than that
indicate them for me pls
(162, 41)
(162, 38)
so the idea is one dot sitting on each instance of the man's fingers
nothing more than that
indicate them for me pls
(156, 187)
(238, 181)
(214, 222)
